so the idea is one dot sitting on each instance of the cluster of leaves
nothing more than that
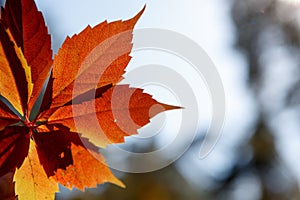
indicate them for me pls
(43, 141)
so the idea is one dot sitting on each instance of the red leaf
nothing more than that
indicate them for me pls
(13, 85)
(13, 149)
(82, 95)
(29, 31)
(31, 181)
(65, 157)
(102, 51)
(119, 112)
(7, 117)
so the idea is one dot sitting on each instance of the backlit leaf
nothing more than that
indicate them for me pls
(28, 28)
(31, 180)
(82, 107)
(118, 113)
(7, 117)
(13, 149)
(94, 58)
(65, 157)
(13, 85)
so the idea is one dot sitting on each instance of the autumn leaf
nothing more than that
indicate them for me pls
(65, 158)
(116, 119)
(7, 117)
(57, 139)
(30, 33)
(31, 181)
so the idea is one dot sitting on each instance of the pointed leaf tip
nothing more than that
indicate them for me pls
(171, 107)
(112, 41)
(161, 107)
(139, 14)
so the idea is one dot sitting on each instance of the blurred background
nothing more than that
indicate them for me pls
(255, 45)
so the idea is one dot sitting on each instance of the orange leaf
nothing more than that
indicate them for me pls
(28, 28)
(13, 85)
(6, 116)
(102, 51)
(81, 98)
(119, 112)
(65, 158)
(87, 170)
(31, 180)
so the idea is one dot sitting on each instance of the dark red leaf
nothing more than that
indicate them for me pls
(14, 148)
